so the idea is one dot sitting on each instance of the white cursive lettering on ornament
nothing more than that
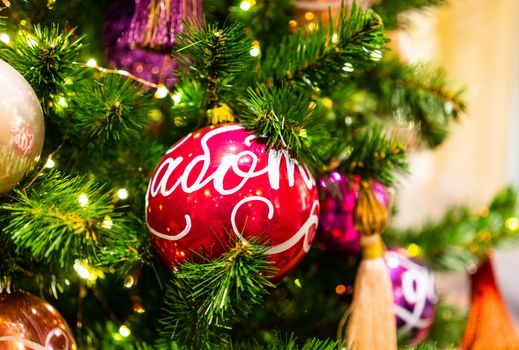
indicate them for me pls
(159, 183)
(176, 237)
(303, 232)
(56, 332)
(416, 281)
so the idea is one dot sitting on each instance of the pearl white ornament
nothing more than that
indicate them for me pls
(22, 128)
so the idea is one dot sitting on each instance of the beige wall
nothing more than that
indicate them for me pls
(477, 41)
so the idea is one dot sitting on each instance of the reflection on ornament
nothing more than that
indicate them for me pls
(22, 127)
(219, 184)
(414, 295)
(27, 322)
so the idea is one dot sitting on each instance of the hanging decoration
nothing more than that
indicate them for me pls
(219, 185)
(339, 196)
(22, 127)
(139, 35)
(414, 295)
(27, 322)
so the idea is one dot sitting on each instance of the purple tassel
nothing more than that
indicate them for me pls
(140, 34)
(155, 23)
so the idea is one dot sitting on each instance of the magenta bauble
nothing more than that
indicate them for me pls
(219, 185)
(414, 295)
(339, 196)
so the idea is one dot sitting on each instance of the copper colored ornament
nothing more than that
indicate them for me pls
(22, 128)
(29, 323)
(220, 184)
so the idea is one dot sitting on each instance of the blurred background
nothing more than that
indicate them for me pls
(477, 42)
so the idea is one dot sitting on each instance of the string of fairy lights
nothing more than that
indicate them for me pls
(307, 21)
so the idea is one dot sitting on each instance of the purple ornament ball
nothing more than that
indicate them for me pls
(339, 196)
(414, 295)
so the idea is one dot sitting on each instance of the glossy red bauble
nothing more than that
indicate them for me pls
(220, 184)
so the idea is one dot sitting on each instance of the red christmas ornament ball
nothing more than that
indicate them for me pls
(220, 184)
(27, 322)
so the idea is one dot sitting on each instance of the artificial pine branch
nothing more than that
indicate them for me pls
(61, 219)
(375, 155)
(412, 94)
(13, 264)
(391, 10)
(124, 255)
(111, 109)
(282, 118)
(268, 20)
(326, 56)
(45, 58)
(215, 56)
(448, 326)
(461, 238)
(188, 113)
(2, 21)
(204, 298)
(285, 342)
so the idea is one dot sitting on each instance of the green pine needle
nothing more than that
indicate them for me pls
(124, 255)
(215, 56)
(268, 20)
(374, 155)
(412, 94)
(284, 342)
(282, 118)
(448, 327)
(327, 55)
(215, 295)
(45, 58)
(63, 218)
(213, 52)
(462, 238)
(2, 21)
(110, 109)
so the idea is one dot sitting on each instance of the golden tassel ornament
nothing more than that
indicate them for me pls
(372, 324)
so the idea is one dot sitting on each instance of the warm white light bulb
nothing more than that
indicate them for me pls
(81, 269)
(254, 52)
(124, 331)
(50, 163)
(245, 5)
(122, 193)
(91, 63)
(83, 200)
(62, 102)
(177, 97)
(5, 38)
(162, 91)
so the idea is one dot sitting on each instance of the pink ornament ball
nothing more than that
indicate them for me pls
(339, 196)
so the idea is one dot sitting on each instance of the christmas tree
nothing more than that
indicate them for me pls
(219, 175)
